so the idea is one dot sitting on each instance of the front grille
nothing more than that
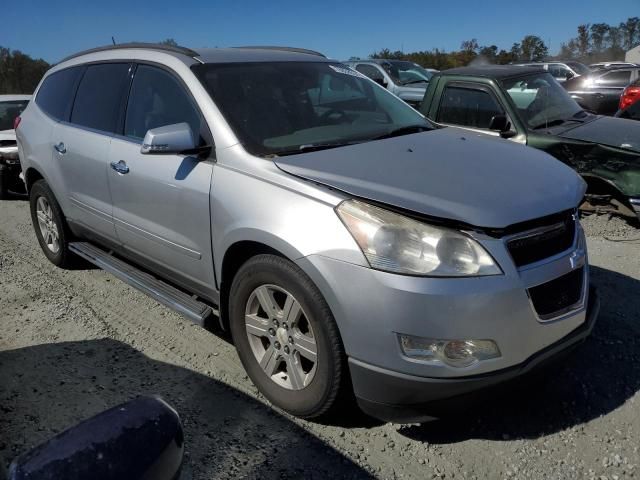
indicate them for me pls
(558, 296)
(543, 242)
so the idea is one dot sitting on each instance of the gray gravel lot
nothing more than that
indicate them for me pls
(73, 343)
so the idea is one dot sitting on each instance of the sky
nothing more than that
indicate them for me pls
(53, 29)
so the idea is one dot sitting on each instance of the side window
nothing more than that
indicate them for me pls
(467, 107)
(558, 71)
(370, 71)
(620, 78)
(100, 95)
(158, 99)
(55, 95)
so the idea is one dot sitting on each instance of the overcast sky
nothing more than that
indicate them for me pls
(53, 29)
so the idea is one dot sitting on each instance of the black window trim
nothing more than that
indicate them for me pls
(208, 137)
(471, 86)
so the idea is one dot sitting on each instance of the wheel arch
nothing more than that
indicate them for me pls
(31, 176)
(235, 255)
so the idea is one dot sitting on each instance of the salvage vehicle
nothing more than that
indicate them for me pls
(11, 106)
(600, 92)
(561, 71)
(531, 108)
(404, 79)
(348, 245)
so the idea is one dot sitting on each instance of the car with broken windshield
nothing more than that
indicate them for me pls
(351, 248)
(527, 106)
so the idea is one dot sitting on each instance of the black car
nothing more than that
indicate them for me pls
(600, 92)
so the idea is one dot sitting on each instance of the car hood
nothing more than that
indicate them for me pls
(609, 131)
(447, 173)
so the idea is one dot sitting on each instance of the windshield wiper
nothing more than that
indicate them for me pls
(406, 130)
(552, 123)
(310, 147)
(409, 82)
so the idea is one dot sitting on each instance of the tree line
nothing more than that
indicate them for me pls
(19, 73)
(593, 43)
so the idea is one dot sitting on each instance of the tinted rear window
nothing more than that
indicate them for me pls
(56, 93)
(99, 100)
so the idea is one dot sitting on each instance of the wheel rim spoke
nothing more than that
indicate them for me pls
(295, 373)
(270, 361)
(256, 326)
(306, 346)
(266, 300)
(291, 311)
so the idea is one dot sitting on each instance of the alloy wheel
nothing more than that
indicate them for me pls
(281, 337)
(47, 225)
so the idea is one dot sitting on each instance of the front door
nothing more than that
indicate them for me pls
(161, 201)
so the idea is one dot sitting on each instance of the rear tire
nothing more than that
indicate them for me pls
(278, 318)
(51, 228)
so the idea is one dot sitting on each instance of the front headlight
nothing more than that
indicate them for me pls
(399, 244)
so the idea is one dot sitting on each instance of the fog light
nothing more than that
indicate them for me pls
(455, 353)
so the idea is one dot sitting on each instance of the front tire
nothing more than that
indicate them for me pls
(50, 225)
(286, 337)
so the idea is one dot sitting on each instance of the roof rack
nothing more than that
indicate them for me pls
(285, 49)
(149, 46)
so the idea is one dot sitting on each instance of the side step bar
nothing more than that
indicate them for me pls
(164, 293)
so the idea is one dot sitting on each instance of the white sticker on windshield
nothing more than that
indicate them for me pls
(346, 71)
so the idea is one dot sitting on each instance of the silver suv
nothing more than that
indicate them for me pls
(407, 80)
(347, 244)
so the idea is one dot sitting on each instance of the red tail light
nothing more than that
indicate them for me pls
(630, 96)
(16, 122)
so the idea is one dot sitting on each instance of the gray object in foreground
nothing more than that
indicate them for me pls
(331, 225)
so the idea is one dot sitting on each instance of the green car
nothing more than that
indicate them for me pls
(527, 105)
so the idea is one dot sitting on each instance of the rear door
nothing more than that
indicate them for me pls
(161, 203)
(81, 144)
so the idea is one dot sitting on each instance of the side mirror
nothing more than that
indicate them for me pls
(499, 123)
(176, 138)
(569, 76)
(138, 440)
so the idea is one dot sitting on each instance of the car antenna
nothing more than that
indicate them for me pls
(113, 40)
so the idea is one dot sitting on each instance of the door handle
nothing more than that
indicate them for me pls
(60, 148)
(120, 167)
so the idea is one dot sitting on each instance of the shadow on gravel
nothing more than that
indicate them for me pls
(47, 388)
(595, 379)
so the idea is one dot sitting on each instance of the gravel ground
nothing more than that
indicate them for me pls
(73, 343)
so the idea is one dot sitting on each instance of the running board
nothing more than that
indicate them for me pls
(164, 293)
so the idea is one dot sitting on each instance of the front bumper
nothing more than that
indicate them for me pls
(395, 397)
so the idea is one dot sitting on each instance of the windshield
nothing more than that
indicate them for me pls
(579, 68)
(541, 100)
(9, 111)
(280, 107)
(404, 73)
